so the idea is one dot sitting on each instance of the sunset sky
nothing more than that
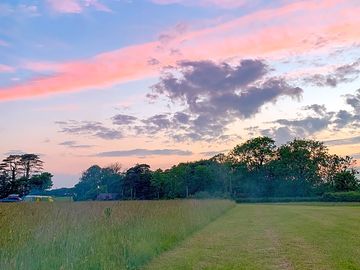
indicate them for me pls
(86, 82)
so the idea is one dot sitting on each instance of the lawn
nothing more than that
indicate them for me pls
(273, 236)
(98, 235)
(179, 234)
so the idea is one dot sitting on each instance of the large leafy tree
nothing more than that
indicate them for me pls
(41, 182)
(89, 185)
(137, 182)
(254, 153)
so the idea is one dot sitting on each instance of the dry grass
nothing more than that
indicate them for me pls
(97, 235)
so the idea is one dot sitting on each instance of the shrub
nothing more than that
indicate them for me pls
(278, 199)
(351, 196)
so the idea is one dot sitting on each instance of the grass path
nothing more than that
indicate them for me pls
(284, 236)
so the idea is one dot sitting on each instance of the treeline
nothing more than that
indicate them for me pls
(23, 174)
(256, 168)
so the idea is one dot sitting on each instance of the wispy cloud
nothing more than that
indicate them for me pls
(145, 152)
(18, 9)
(90, 128)
(14, 152)
(345, 141)
(76, 6)
(217, 3)
(6, 69)
(213, 153)
(4, 43)
(76, 145)
(244, 38)
(341, 74)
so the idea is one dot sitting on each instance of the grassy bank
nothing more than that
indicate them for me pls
(322, 236)
(97, 235)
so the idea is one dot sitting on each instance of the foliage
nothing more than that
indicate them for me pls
(352, 196)
(22, 174)
(278, 199)
(96, 180)
(255, 169)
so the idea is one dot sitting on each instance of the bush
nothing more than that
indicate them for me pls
(351, 196)
(278, 199)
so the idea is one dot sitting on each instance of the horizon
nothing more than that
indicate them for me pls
(88, 82)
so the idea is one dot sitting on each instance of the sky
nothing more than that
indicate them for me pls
(86, 82)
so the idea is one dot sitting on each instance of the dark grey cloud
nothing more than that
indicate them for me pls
(74, 144)
(354, 101)
(181, 117)
(153, 62)
(285, 130)
(145, 152)
(215, 95)
(318, 109)
(91, 128)
(349, 118)
(123, 119)
(154, 124)
(342, 74)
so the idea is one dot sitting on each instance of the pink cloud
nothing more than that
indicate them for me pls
(65, 6)
(219, 3)
(3, 43)
(309, 27)
(6, 69)
(76, 6)
(41, 66)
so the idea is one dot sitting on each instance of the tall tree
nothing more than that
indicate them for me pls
(41, 182)
(31, 164)
(12, 166)
(137, 182)
(254, 153)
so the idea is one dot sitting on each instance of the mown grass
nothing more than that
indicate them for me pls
(97, 235)
(316, 236)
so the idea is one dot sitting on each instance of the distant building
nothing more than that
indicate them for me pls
(108, 196)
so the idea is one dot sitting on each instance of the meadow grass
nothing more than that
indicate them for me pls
(316, 236)
(98, 235)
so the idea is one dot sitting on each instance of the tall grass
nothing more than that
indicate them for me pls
(97, 235)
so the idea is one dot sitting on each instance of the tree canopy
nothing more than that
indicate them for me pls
(23, 174)
(256, 168)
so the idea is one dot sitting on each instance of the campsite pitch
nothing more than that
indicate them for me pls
(273, 236)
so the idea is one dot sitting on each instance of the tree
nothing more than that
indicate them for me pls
(345, 181)
(158, 182)
(12, 166)
(5, 185)
(17, 170)
(89, 185)
(137, 182)
(112, 178)
(41, 182)
(254, 153)
(31, 163)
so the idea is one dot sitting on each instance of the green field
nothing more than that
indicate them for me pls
(273, 236)
(186, 234)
